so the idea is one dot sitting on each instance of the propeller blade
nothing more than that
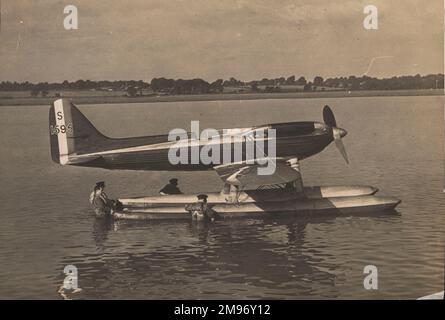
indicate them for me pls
(341, 148)
(328, 117)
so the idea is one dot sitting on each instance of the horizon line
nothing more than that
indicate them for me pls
(245, 81)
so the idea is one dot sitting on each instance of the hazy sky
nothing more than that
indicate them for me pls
(210, 39)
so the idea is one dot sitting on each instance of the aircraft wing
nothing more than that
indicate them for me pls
(244, 174)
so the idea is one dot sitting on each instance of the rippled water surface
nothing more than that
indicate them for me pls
(394, 143)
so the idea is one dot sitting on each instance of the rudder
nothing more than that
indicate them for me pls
(71, 133)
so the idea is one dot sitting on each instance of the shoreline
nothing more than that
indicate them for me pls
(32, 101)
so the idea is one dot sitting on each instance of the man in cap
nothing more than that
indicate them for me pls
(170, 188)
(200, 210)
(99, 199)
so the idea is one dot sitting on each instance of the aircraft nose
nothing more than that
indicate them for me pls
(343, 132)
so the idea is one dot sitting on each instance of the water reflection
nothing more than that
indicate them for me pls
(236, 258)
(101, 227)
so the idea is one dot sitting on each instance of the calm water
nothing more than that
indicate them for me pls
(394, 143)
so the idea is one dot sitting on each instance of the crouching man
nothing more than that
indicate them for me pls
(200, 210)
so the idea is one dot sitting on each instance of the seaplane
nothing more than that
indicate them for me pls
(246, 192)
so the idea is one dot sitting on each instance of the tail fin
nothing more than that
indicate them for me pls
(71, 133)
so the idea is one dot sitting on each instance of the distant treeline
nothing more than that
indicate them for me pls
(200, 86)
(76, 85)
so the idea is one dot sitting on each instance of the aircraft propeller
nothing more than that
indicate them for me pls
(338, 133)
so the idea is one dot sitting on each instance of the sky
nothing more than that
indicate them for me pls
(211, 39)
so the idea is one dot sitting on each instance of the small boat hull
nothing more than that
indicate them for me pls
(265, 203)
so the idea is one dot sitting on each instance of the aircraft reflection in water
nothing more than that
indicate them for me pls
(221, 257)
(268, 257)
(75, 141)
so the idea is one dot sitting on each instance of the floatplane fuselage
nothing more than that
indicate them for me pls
(75, 141)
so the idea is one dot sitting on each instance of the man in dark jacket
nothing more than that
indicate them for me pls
(200, 210)
(100, 201)
(171, 188)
